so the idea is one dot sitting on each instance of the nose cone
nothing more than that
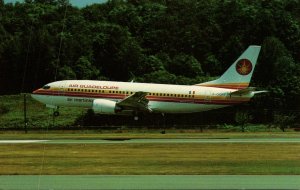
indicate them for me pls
(35, 95)
(35, 92)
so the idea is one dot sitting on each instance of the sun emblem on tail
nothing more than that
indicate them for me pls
(243, 67)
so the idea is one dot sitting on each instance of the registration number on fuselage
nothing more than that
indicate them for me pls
(221, 94)
(79, 100)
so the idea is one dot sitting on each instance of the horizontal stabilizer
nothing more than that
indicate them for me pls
(243, 91)
(246, 91)
(262, 91)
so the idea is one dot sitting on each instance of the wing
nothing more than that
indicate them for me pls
(136, 101)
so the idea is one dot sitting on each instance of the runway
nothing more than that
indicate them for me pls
(20, 141)
(149, 182)
(161, 140)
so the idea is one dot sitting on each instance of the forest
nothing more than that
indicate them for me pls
(157, 41)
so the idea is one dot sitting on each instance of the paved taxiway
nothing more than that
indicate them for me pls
(149, 141)
(149, 182)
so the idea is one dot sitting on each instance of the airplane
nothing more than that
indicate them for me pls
(110, 97)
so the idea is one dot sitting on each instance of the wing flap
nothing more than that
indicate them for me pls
(136, 101)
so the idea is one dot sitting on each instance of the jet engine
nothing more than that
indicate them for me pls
(105, 106)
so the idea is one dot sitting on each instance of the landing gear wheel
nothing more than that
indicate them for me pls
(56, 113)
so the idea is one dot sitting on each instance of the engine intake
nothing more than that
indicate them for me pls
(105, 106)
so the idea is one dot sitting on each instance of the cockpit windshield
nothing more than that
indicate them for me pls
(46, 87)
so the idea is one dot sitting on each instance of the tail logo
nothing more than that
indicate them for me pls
(243, 67)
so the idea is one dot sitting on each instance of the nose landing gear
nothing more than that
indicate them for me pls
(56, 113)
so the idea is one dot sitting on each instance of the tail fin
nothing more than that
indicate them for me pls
(239, 74)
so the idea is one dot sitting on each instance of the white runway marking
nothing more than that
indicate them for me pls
(20, 141)
(152, 141)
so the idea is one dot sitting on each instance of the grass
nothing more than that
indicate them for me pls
(141, 159)
(40, 118)
(38, 115)
(139, 134)
(227, 158)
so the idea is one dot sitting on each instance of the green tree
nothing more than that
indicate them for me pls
(115, 51)
(66, 73)
(242, 118)
(161, 76)
(212, 65)
(185, 65)
(85, 70)
(284, 121)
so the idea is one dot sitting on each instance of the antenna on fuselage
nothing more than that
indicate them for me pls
(132, 77)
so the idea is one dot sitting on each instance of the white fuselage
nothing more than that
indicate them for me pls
(163, 98)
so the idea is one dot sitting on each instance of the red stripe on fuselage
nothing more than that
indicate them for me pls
(150, 98)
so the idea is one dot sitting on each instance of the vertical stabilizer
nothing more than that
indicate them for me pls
(239, 74)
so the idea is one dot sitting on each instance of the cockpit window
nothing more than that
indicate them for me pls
(46, 87)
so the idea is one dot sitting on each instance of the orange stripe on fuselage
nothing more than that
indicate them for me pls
(237, 86)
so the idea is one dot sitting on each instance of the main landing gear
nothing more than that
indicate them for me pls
(135, 116)
(56, 112)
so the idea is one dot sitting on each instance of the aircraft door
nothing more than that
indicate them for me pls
(61, 88)
(207, 96)
(192, 95)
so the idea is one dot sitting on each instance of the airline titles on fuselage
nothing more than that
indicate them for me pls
(93, 86)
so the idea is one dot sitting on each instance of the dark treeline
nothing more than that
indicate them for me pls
(160, 41)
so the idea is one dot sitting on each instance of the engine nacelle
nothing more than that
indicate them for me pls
(104, 106)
